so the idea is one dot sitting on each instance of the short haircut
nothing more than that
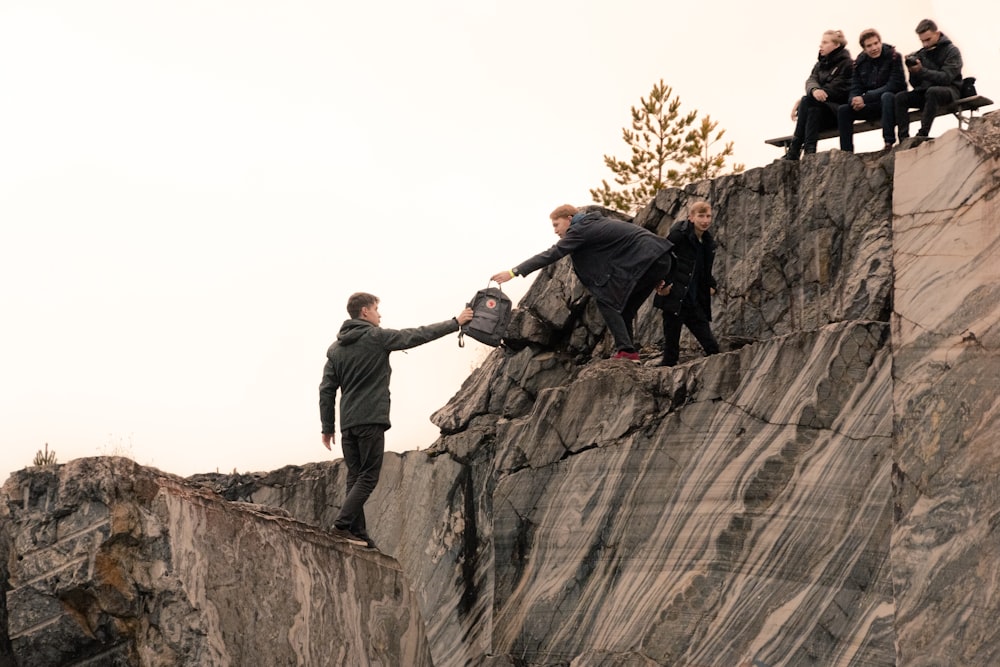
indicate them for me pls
(926, 25)
(699, 206)
(868, 34)
(838, 37)
(564, 211)
(360, 300)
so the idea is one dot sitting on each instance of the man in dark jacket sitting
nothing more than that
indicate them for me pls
(620, 263)
(878, 76)
(936, 77)
(687, 299)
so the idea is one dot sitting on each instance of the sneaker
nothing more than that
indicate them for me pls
(348, 537)
(628, 356)
(369, 542)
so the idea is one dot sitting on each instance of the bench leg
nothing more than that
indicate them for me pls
(964, 116)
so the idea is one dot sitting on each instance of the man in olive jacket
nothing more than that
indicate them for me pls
(687, 299)
(936, 77)
(619, 262)
(357, 363)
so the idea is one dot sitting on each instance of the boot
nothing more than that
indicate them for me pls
(794, 149)
(810, 149)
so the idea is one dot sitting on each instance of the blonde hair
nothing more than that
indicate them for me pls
(838, 36)
(699, 207)
(564, 211)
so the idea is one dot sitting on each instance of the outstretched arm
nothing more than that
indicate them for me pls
(503, 276)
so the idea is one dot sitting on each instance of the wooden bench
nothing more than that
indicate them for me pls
(963, 109)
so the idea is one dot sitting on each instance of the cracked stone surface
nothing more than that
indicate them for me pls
(821, 493)
(113, 564)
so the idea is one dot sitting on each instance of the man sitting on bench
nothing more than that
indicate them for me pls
(936, 77)
(878, 76)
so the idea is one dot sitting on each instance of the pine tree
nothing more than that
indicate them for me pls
(667, 150)
(701, 163)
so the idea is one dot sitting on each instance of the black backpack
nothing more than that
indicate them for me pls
(491, 312)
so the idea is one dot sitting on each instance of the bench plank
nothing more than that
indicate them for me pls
(966, 105)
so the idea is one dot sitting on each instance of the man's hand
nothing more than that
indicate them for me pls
(465, 316)
(328, 440)
(819, 95)
(502, 277)
(663, 289)
(857, 103)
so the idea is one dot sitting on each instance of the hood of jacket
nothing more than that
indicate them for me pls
(581, 216)
(352, 330)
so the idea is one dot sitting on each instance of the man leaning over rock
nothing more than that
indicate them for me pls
(618, 262)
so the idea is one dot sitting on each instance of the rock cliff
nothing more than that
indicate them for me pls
(822, 493)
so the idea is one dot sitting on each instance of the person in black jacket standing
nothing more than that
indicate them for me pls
(936, 77)
(619, 262)
(878, 76)
(357, 364)
(826, 89)
(687, 299)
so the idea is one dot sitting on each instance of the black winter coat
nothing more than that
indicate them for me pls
(942, 66)
(609, 256)
(832, 73)
(686, 250)
(874, 76)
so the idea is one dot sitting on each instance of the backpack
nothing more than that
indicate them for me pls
(968, 88)
(491, 313)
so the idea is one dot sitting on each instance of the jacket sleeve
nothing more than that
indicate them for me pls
(897, 79)
(812, 83)
(566, 245)
(542, 259)
(950, 73)
(856, 82)
(892, 74)
(404, 339)
(840, 84)
(328, 398)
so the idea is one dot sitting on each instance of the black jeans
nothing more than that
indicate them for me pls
(694, 319)
(363, 448)
(621, 324)
(928, 99)
(884, 109)
(813, 116)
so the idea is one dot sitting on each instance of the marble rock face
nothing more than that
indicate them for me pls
(113, 564)
(820, 493)
(946, 391)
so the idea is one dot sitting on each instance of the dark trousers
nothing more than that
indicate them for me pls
(884, 109)
(621, 323)
(694, 319)
(812, 117)
(363, 449)
(929, 99)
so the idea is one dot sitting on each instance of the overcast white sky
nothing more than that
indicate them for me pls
(189, 191)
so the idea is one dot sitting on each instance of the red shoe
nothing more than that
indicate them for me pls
(628, 356)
